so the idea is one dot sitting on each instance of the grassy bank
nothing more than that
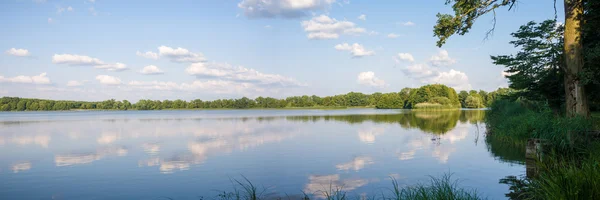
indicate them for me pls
(434, 106)
(443, 188)
(569, 167)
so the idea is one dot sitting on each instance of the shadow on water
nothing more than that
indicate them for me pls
(506, 151)
(435, 122)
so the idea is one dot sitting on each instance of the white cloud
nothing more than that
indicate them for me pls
(181, 55)
(75, 60)
(453, 78)
(213, 86)
(151, 69)
(281, 8)
(428, 74)
(91, 1)
(369, 78)
(147, 54)
(373, 33)
(356, 50)
(362, 17)
(324, 27)
(93, 11)
(108, 80)
(39, 79)
(408, 23)
(393, 35)
(81, 60)
(50, 20)
(18, 52)
(441, 59)
(268, 26)
(405, 57)
(74, 83)
(113, 67)
(420, 71)
(239, 74)
(60, 10)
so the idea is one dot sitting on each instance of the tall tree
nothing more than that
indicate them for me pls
(536, 70)
(467, 11)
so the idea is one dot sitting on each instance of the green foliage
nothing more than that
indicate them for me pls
(435, 122)
(433, 94)
(591, 53)
(465, 14)
(474, 101)
(432, 106)
(567, 179)
(390, 101)
(443, 188)
(536, 70)
(519, 121)
(570, 167)
(406, 98)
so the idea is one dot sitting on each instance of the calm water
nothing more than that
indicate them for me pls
(186, 154)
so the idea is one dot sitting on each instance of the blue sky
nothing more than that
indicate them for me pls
(102, 49)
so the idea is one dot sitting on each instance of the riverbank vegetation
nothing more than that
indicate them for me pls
(443, 188)
(568, 166)
(555, 78)
(434, 96)
(542, 112)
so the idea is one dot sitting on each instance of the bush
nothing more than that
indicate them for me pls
(433, 106)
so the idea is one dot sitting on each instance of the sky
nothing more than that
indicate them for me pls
(212, 49)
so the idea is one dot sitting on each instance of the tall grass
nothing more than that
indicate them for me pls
(570, 168)
(443, 188)
(566, 179)
(434, 106)
(519, 121)
(243, 190)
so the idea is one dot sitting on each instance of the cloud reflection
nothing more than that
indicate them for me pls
(356, 164)
(368, 135)
(151, 148)
(107, 138)
(407, 155)
(84, 158)
(222, 136)
(441, 146)
(318, 184)
(42, 140)
(22, 166)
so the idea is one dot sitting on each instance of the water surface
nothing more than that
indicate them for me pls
(186, 154)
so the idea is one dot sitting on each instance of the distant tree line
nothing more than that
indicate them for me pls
(407, 98)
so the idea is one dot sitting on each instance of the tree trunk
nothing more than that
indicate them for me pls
(576, 98)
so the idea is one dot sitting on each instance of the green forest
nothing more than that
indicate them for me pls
(435, 96)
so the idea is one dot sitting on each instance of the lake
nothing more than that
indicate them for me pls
(191, 153)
